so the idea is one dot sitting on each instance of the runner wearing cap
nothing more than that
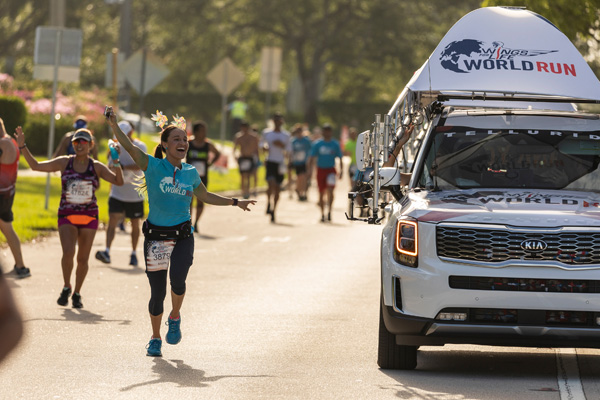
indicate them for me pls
(125, 200)
(78, 209)
(65, 147)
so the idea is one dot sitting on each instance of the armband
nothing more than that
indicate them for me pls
(235, 201)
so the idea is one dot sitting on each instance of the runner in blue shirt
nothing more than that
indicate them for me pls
(301, 146)
(323, 154)
(169, 242)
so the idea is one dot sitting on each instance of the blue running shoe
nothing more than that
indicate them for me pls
(174, 334)
(154, 348)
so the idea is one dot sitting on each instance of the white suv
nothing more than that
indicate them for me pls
(494, 235)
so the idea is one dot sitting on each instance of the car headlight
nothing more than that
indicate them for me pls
(407, 243)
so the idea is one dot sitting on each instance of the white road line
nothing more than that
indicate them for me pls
(569, 382)
(280, 239)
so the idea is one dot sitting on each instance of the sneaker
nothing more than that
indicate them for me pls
(268, 209)
(133, 260)
(154, 348)
(122, 227)
(329, 216)
(322, 218)
(64, 296)
(103, 256)
(22, 272)
(174, 334)
(76, 300)
(273, 216)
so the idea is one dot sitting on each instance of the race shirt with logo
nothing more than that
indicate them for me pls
(326, 151)
(170, 191)
(198, 157)
(300, 150)
(79, 190)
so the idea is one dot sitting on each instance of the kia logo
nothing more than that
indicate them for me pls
(534, 245)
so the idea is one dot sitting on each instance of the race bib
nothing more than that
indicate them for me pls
(159, 254)
(79, 192)
(331, 179)
(299, 156)
(282, 168)
(200, 167)
(245, 165)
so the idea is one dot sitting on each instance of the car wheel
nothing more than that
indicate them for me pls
(391, 355)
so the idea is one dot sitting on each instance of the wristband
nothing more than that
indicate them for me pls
(22, 147)
(235, 201)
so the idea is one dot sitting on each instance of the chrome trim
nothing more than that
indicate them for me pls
(443, 329)
(511, 228)
(521, 263)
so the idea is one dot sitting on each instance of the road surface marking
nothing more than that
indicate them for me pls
(569, 382)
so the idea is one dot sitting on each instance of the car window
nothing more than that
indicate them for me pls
(516, 155)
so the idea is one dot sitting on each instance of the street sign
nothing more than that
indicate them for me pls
(270, 69)
(225, 77)
(154, 73)
(48, 45)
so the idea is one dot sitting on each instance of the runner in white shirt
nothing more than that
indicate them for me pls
(125, 199)
(278, 145)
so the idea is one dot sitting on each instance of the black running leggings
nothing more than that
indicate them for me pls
(181, 261)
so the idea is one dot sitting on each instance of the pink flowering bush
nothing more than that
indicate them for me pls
(71, 101)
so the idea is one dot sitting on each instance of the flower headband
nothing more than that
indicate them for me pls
(161, 120)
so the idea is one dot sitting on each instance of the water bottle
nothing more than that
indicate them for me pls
(114, 154)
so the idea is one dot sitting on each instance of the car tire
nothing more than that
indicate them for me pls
(391, 355)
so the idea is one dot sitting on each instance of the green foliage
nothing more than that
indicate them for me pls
(13, 112)
(37, 130)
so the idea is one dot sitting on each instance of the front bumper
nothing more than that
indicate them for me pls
(416, 331)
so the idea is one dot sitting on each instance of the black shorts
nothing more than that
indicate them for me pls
(273, 172)
(132, 210)
(6, 203)
(300, 169)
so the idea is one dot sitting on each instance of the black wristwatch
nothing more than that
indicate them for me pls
(235, 201)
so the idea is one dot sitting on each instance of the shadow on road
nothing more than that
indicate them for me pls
(437, 369)
(83, 316)
(181, 374)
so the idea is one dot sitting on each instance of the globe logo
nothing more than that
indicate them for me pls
(453, 53)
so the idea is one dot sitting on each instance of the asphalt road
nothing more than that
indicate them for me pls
(272, 311)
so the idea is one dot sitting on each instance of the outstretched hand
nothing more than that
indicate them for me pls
(19, 136)
(244, 204)
(110, 115)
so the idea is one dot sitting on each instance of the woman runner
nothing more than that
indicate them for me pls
(78, 209)
(169, 242)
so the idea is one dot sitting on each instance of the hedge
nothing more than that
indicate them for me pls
(13, 112)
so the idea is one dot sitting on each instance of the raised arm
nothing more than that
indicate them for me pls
(55, 164)
(137, 154)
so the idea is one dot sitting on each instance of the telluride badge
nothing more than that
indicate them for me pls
(534, 245)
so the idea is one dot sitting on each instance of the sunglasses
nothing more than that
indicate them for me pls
(79, 141)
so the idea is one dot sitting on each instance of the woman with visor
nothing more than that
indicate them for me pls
(78, 209)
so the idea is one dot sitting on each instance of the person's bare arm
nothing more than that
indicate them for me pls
(112, 175)
(137, 154)
(211, 198)
(216, 153)
(391, 161)
(55, 164)
(11, 325)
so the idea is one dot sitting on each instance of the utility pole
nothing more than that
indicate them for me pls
(125, 45)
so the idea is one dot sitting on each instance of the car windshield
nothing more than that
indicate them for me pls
(513, 151)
